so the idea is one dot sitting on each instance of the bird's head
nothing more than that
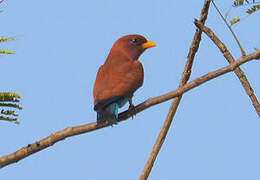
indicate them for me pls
(131, 46)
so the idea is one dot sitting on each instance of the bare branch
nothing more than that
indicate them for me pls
(185, 77)
(72, 131)
(240, 74)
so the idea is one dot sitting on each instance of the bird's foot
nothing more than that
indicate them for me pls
(132, 110)
(113, 121)
(100, 122)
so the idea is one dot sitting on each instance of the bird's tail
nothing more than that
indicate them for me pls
(109, 113)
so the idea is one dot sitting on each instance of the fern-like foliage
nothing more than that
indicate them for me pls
(242, 2)
(2, 39)
(253, 9)
(234, 20)
(9, 100)
(238, 3)
(254, 6)
(3, 51)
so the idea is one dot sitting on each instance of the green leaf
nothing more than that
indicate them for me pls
(6, 52)
(253, 9)
(12, 105)
(238, 3)
(234, 20)
(17, 122)
(2, 39)
(8, 112)
(7, 118)
(9, 96)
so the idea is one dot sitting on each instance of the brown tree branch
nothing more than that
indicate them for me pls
(76, 130)
(240, 74)
(185, 77)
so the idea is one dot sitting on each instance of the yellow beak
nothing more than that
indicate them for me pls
(148, 44)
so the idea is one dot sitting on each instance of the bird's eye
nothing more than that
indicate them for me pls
(134, 41)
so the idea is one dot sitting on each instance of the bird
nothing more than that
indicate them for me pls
(119, 77)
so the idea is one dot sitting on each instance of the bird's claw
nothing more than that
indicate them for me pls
(113, 121)
(132, 109)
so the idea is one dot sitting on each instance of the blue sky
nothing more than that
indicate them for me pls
(60, 46)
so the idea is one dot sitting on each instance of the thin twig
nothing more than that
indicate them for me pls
(231, 30)
(229, 10)
(72, 131)
(240, 74)
(185, 77)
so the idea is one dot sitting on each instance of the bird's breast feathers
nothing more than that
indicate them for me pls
(120, 80)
